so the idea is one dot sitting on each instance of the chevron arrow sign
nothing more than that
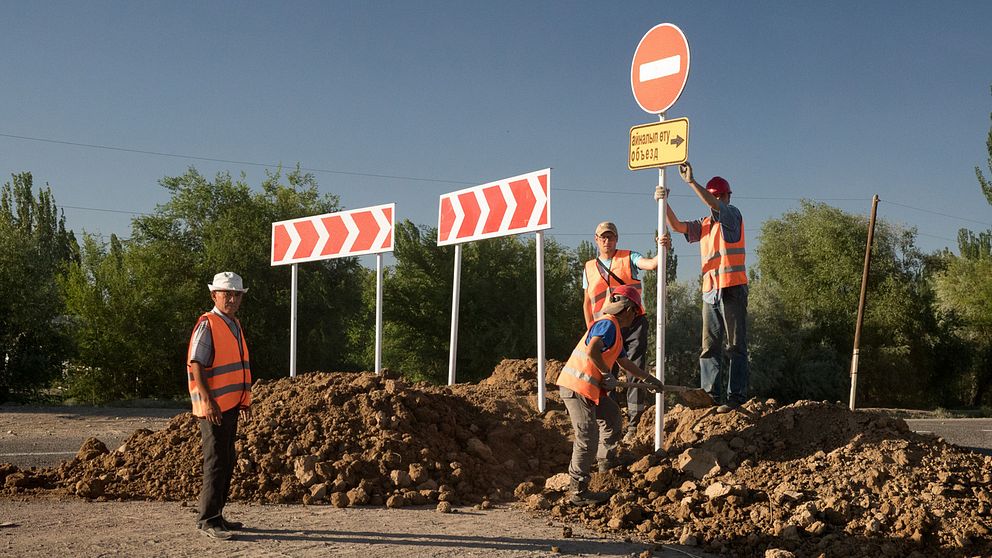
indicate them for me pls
(333, 235)
(510, 206)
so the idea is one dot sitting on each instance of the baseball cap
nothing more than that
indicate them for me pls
(606, 226)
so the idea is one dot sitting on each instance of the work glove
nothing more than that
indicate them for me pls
(660, 193)
(656, 382)
(685, 169)
(609, 382)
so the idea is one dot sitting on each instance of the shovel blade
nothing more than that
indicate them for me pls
(696, 398)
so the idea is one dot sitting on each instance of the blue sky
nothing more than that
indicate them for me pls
(832, 101)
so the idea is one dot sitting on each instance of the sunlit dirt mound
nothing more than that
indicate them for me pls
(347, 439)
(811, 478)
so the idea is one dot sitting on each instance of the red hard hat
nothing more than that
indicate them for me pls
(631, 294)
(718, 185)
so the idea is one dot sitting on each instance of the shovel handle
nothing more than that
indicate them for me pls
(652, 387)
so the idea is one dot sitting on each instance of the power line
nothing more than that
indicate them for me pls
(103, 209)
(229, 161)
(368, 175)
(423, 179)
(986, 223)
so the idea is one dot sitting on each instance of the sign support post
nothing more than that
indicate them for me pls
(658, 73)
(292, 325)
(540, 322)
(378, 314)
(662, 296)
(455, 291)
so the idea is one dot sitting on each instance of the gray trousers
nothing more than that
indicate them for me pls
(635, 342)
(596, 428)
(218, 466)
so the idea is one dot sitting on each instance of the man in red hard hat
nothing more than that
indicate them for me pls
(724, 284)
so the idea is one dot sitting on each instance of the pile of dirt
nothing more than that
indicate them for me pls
(344, 439)
(809, 479)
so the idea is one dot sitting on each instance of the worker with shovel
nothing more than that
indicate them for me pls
(585, 383)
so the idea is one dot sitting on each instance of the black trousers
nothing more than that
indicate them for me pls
(218, 466)
(635, 342)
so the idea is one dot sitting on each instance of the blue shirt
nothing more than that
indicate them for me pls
(605, 330)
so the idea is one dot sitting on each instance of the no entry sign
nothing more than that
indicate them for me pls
(660, 68)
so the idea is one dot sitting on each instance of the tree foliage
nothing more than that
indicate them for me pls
(34, 247)
(804, 303)
(497, 310)
(965, 291)
(135, 303)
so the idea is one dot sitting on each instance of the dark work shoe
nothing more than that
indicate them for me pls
(215, 532)
(587, 498)
(231, 525)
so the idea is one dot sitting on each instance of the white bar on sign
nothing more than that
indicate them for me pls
(661, 68)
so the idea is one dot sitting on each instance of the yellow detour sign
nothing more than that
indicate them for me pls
(659, 144)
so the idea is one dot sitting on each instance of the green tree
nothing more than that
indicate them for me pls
(803, 306)
(497, 310)
(210, 226)
(965, 291)
(34, 247)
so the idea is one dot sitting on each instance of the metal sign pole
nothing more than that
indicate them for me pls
(456, 288)
(662, 295)
(540, 321)
(292, 325)
(378, 314)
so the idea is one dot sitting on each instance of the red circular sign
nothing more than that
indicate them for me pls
(660, 68)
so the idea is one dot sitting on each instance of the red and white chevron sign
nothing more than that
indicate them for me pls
(333, 235)
(510, 206)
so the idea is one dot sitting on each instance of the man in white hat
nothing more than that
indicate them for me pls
(219, 373)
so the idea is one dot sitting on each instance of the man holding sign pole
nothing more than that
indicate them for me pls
(721, 244)
(601, 276)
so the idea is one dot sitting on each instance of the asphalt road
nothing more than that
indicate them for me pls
(972, 433)
(46, 436)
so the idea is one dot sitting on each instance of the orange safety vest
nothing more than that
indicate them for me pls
(229, 378)
(723, 262)
(598, 288)
(581, 374)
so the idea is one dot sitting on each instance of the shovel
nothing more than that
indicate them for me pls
(694, 398)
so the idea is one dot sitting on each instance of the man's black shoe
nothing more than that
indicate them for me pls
(231, 525)
(215, 532)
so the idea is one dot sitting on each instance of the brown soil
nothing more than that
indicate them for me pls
(813, 479)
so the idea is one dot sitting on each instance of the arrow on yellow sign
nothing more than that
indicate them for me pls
(658, 144)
